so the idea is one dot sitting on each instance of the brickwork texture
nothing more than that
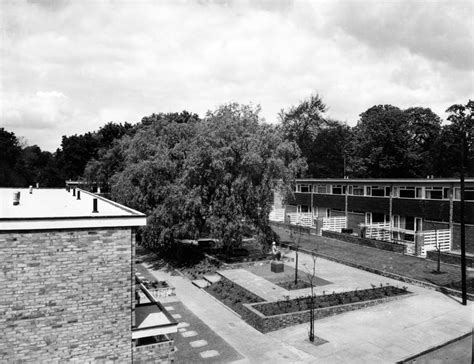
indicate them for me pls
(66, 296)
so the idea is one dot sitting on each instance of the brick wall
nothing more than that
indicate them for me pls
(271, 323)
(469, 238)
(159, 353)
(66, 295)
(353, 221)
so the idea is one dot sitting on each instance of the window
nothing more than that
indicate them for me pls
(305, 188)
(434, 193)
(338, 189)
(419, 192)
(468, 193)
(378, 191)
(321, 189)
(356, 190)
(407, 192)
(303, 209)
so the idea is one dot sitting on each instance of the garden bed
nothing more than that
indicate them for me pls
(330, 300)
(297, 312)
(232, 295)
(204, 267)
(291, 286)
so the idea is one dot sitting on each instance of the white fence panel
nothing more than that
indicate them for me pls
(301, 219)
(378, 231)
(334, 223)
(434, 238)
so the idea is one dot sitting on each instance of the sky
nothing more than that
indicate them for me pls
(69, 67)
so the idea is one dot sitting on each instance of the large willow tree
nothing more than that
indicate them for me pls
(211, 177)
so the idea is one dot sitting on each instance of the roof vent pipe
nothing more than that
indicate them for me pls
(37, 185)
(78, 195)
(16, 198)
(74, 192)
(94, 206)
(31, 189)
(68, 189)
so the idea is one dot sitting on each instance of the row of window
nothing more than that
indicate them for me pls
(431, 192)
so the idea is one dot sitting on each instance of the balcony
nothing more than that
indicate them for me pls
(151, 318)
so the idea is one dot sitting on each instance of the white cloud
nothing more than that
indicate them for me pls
(70, 67)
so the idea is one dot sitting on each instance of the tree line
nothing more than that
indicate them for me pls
(214, 176)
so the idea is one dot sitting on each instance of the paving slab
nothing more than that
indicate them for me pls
(209, 353)
(254, 346)
(200, 283)
(255, 284)
(212, 278)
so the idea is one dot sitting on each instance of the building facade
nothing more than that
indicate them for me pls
(68, 282)
(419, 213)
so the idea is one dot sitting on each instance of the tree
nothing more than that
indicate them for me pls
(424, 129)
(311, 277)
(295, 234)
(213, 177)
(10, 154)
(302, 124)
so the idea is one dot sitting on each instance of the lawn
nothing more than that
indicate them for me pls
(263, 270)
(405, 265)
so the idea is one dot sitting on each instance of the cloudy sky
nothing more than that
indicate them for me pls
(71, 66)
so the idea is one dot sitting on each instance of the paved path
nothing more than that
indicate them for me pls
(250, 343)
(385, 333)
(380, 334)
(253, 283)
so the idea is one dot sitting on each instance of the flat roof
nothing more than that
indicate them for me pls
(425, 181)
(57, 208)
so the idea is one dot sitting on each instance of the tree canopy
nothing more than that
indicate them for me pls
(210, 177)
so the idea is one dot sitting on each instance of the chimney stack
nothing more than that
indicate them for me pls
(94, 206)
(16, 198)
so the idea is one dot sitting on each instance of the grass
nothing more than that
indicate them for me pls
(404, 265)
(288, 275)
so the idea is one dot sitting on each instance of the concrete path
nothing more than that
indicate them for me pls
(381, 334)
(258, 285)
(250, 343)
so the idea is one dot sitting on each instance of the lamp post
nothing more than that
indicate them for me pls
(463, 227)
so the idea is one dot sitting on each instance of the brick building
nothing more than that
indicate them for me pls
(419, 213)
(68, 282)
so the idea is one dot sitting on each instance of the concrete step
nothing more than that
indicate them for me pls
(212, 278)
(201, 283)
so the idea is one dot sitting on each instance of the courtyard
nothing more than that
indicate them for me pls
(385, 333)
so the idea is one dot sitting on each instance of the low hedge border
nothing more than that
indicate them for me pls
(449, 258)
(266, 324)
(398, 277)
(382, 245)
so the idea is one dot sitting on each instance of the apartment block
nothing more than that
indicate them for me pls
(68, 282)
(422, 214)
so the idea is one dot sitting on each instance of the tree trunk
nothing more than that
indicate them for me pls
(296, 267)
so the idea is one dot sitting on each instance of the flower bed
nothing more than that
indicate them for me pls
(202, 268)
(298, 314)
(232, 295)
(291, 286)
(334, 299)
